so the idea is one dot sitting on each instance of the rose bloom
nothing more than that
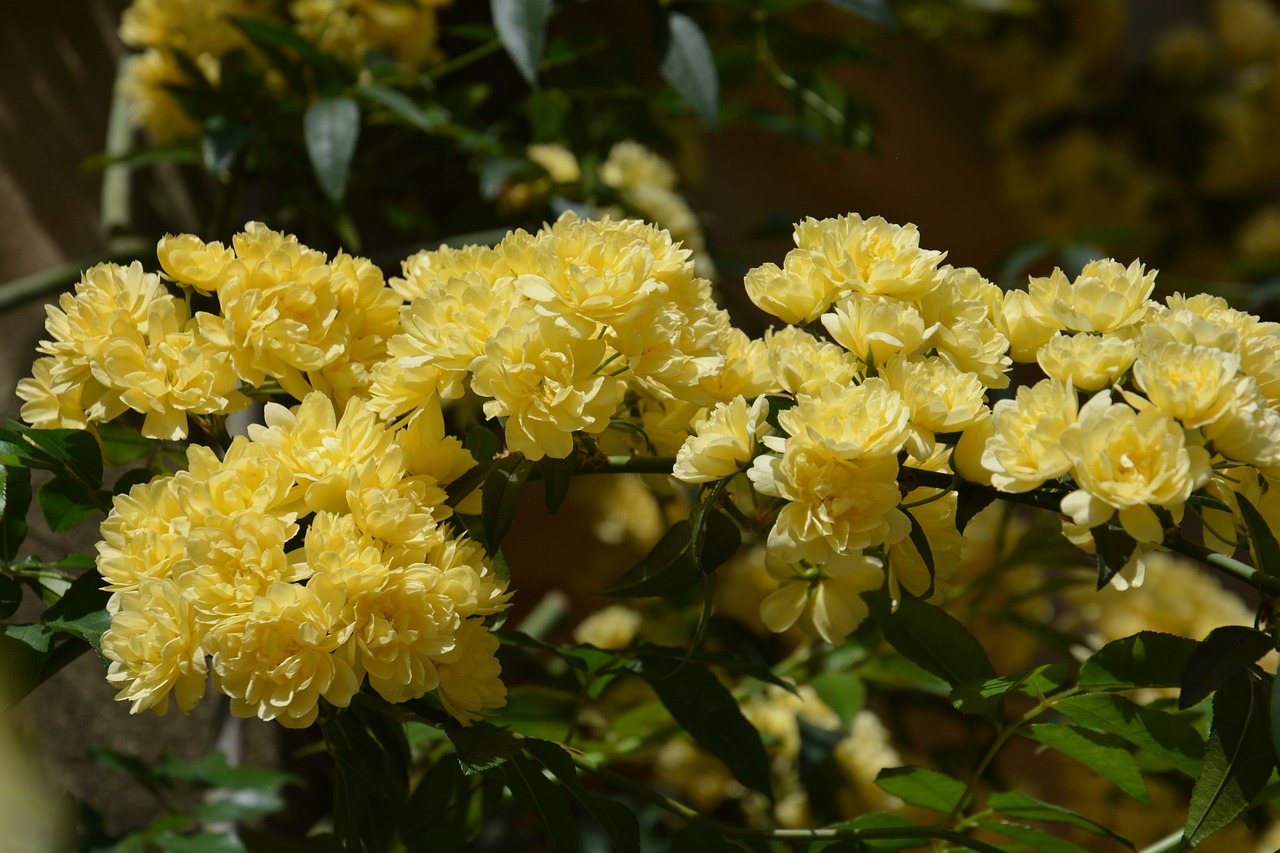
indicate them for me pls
(866, 420)
(1105, 296)
(1126, 462)
(726, 440)
(870, 256)
(801, 364)
(1197, 385)
(1024, 448)
(875, 330)
(795, 293)
(826, 606)
(1089, 362)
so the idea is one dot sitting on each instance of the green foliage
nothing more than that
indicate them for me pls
(687, 64)
(503, 485)
(371, 776)
(930, 638)
(522, 26)
(1146, 659)
(1101, 753)
(331, 128)
(1226, 651)
(920, 786)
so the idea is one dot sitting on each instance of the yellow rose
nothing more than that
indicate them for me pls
(1105, 296)
(724, 441)
(867, 420)
(1089, 362)
(875, 330)
(801, 364)
(154, 648)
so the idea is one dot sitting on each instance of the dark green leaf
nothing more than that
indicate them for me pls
(1146, 659)
(13, 518)
(687, 64)
(876, 11)
(24, 649)
(707, 710)
(1020, 805)
(222, 143)
(522, 27)
(971, 499)
(975, 697)
(618, 821)
(66, 502)
(437, 816)
(237, 805)
(501, 497)
(212, 771)
(1035, 839)
(371, 775)
(71, 450)
(538, 794)
(882, 820)
(720, 540)
(1274, 718)
(1170, 738)
(845, 693)
(539, 711)
(10, 596)
(1114, 547)
(481, 746)
(556, 474)
(920, 786)
(921, 540)
(666, 570)
(1238, 759)
(931, 638)
(405, 107)
(122, 444)
(482, 444)
(1226, 651)
(331, 128)
(82, 611)
(129, 479)
(698, 838)
(199, 842)
(1262, 541)
(1101, 753)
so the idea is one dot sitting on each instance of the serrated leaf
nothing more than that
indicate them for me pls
(82, 611)
(1226, 651)
(1145, 659)
(931, 638)
(1035, 839)
(68, 450)
(536, 793)
(1113, 549)
(687, 64)
(1101, 753)
(522, 28)
(481, 747)
(65, 502)
(13, 519)
(976, 697)
(556, 474)
(1171, 738)
(331, 129)
(371, 775)
(1237, 759)
(920, 786)
(971, 499)
(1262, 541)
(221, 144)
(24, 649)
(667, 569)
(617, 821)
(1025, 807)
(503, 485)
(437, 815)
(705, 708)
(876, 11)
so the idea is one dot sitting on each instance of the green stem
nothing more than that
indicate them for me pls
(1228, 565)
(463, 60)
(1165, 845)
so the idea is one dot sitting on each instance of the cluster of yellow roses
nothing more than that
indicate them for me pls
(313, 554)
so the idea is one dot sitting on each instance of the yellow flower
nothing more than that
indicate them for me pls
(429, 451)
(191, 261)
(796, 293)
(470, 674)
(393, 507)
(870, 256)
(1025, 325)
(1089, 362)
(875, 330)
(827, 606)
(232, 560)
(614, 627)
(436, 266)
(467, 576)
(145, 534)
(775, 714)
(45, 408)
(1106, 296)
(154, 648)
(1125, 461)
(368, 316)
(801, 364)
(940, 398)
(966, 313)
(1025, 447)
(631, 164)
(559, 162)
(744, 370)
(1197, 385)
(545, 382)
(278, 661)
(835, 507)
(725, 441)
(859, 421)
(861, 756)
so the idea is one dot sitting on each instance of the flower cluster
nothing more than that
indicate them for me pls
(312, 555)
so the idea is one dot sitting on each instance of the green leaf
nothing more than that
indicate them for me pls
(10, 596)
(66, 502)
(405, 107)
(556, 474)
(212, 771)
(1170, 738)
(1101, 753)
(482, 444)
(920, 539)
(666, 570)
(876, 11)
(481, 746)
(1145, 659)
(69, 450)
(720, 540)
(1262, 541)
(522, 27)
(221, 144)
(687, 64)
(24, 649)
(1019, 805)
(1237, 759)
(617, 821)
(1226, 651)
(129, 479)
(698, 838)
(1113, 549)
(438, 815)
(882, 820)
(371, 775)
(706, 709)
(536, 793)
(1035, 839)
(971, 499)
(82, 611)
(920, 786)
(500, 499)
(199, 842)
(976, 697)
(331, 128)
(1274, 717)
(931, 638)
(237, 805)
(844, 693)
(13, 518)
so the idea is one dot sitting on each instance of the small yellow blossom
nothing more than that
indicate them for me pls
(826, 606)
(469, 674)
(613, 627)
(1025, 446)
(190, 261)
(875, 330)
(1089, 362)
(1106, 296)
(154, 648)
(724, 441)
(859, 421)
(801, 364)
